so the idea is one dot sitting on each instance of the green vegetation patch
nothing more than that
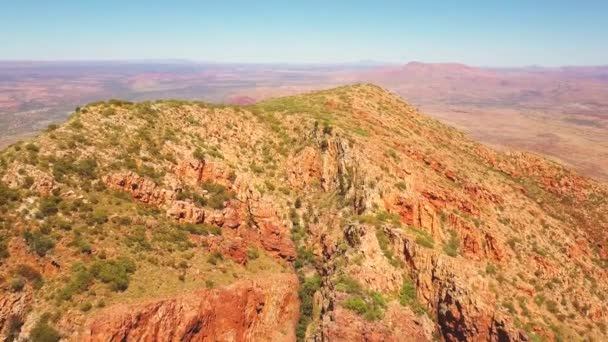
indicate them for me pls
(308, 287)
(407, 297)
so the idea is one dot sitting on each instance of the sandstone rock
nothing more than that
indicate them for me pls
(259, 310)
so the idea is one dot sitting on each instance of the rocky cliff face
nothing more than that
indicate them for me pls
(340, 215)
(262, 310)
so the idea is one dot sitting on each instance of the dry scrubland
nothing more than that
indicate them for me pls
(331, 215)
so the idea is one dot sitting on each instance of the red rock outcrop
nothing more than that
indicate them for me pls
(399, 325)
(13, 309)
(259, 310)
(142, 189)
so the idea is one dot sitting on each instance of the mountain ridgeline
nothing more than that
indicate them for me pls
(337, 215)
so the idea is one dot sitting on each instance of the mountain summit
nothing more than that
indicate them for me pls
(337, 215)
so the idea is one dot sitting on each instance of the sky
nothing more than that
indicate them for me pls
(483, 33)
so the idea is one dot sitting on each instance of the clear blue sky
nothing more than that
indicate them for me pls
(489, 32)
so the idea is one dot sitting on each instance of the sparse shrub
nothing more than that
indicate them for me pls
(80, 281)
(201, 229)
(86, 168)
(451, 248)
(347, 284)
(370, 307)
(169, 237)
(86, 306)
(217, 194)
(38, 242)
(407, 297)
(401, 185)
(391, 153)
(13, 327)
(198, 154)
(44, 332)
(98, 216)
(298, 203)
(253, 253)
(425, 240)
(16, 284)
(356, 304)
(76, 124)
(256, 169)
(490, 268)
(49, 205)
(215, 258)
(28, 181)
(30, 274)
(384, 244)
(32, 147)
(115, 273)
(52, 127)
(4, 253)
(552, 306)
(7, 194)
(308, 287)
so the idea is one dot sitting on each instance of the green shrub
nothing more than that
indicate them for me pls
(49, 205)
(39, 243)
(7, 194)
(30, 274)
(384, 244)
(370, 307)
(86, 168)
(52, 127)
(115, 273)
(215, 258)
(256, 169)
(4, 253)
(552, 306)
(217, 194)
(32, 147)
(356, 304)
(16, 284)
(407, 297)
(198, 154)
(43, 332)
(98, 216)
(347, 284)
(490, 268)
(138, 239)
(80, 281)
(28, 181)
(201, 229)
(13, 327)
(308, 287)
(76, 124)
(253, 253)
(425, 240)
(171, 237)
(81, 244)
(451, 248)
(86, 306)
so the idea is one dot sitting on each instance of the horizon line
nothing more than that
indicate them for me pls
(362, 62)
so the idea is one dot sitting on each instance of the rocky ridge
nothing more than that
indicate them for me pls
(337, 215)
